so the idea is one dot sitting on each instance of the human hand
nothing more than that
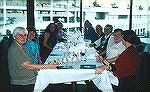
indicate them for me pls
(53, 65)
(99, 58)
(100, 69)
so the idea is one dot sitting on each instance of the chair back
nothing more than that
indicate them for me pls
(143, 72)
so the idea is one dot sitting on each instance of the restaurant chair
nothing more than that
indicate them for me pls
(143, 72)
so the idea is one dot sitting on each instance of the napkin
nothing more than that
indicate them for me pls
(104, 80)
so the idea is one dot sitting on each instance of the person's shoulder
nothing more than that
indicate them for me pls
(34, 43)
(92, 29)
(46, 35)
(14, 47)
(27, 42)
(132, 49)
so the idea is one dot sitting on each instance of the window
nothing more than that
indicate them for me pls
(100, 15)
(46, 18)
(122, 16)
(100, 12)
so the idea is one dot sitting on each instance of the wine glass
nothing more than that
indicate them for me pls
(82, 53)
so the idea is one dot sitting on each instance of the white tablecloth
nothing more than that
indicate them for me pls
(55, 76)
(102, 81)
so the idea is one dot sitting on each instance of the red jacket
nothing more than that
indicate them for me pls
(126, 64)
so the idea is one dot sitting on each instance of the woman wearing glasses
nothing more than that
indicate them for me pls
(126, 64)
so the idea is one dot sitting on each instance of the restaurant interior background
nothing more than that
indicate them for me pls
(73, 13)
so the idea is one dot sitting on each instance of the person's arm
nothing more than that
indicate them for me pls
(101, 52)
(97, 43)
(32, 66)
(100, 69)
(46, 37)
(109, 67)
(112, 60)
(99, 58)
(61, 39)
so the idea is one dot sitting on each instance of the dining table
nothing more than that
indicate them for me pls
(72, 70)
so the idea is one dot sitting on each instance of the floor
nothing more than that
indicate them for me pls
(68, 88)
(64, 88)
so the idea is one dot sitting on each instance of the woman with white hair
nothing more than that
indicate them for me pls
(22, 71)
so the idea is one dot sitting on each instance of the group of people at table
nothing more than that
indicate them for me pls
(116, 50)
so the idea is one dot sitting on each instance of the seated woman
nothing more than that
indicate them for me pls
(22, 70)
(99, 31)
(48, 41)
(126, 64)
(61, 30)
(32, 46)
(89, 32)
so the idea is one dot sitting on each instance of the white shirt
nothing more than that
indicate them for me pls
(98, 42)
(110, 43)
(115, 50)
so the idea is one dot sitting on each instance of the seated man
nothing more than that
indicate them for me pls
(113, 52)
(104, 42)
(22, 70)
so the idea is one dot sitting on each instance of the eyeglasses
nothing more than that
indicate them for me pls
(21, 35)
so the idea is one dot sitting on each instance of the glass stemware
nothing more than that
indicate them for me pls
(83, 55)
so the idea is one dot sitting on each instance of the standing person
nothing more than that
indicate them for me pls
(48, 41)
(5, 44)
(32, 46)
(89, 32)
(22, 70)
(126, 64)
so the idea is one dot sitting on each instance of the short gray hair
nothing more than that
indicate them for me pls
(18, 30)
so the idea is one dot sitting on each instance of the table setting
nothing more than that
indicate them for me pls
(74, 67)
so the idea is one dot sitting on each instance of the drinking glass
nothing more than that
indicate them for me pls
(83, 56)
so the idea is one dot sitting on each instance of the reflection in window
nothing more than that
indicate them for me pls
(100, 15)
(68, 12)
(122, 16)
